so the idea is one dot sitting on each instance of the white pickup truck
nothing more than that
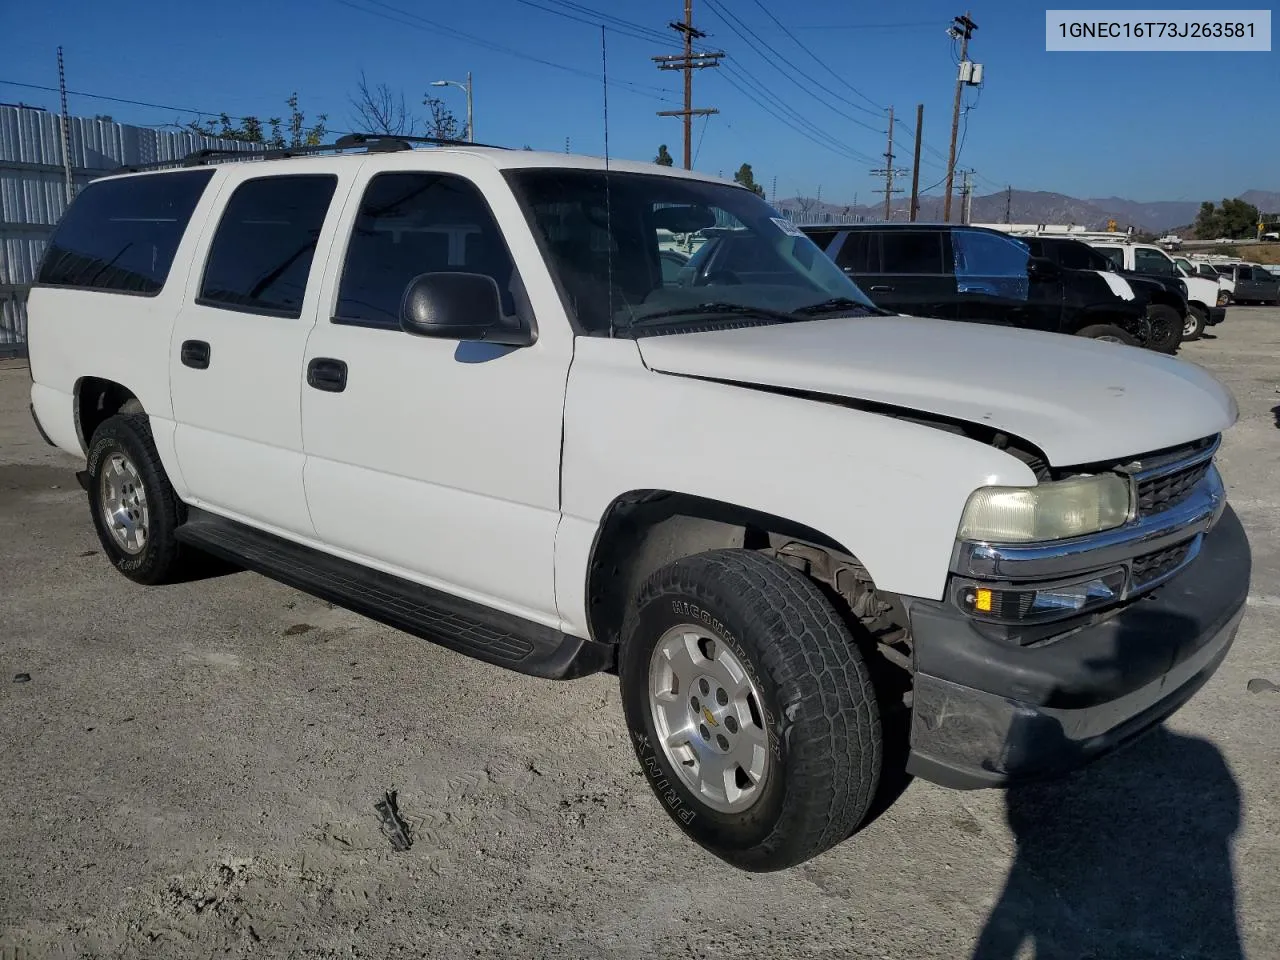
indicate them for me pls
(1206, 300)
(449, 389)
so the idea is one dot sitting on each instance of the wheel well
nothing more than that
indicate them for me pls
(96, 399)
(645, 530)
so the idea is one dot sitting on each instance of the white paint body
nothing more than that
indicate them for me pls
(1201, 291)
(487, 471)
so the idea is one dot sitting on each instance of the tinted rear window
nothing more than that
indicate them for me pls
(120, 235)
(261, 255)
(911, 251)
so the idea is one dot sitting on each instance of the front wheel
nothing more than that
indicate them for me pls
(1166, 329)
(750, 708)
(1194, 325)
(1108, 332)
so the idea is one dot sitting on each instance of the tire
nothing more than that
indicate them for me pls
(1195, 323)
(125, 468)
(1166, 329)
(1108, 331)
(812, 739)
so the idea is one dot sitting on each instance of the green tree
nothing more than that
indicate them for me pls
(664, 159)
(745, 177)
(1231, 218)
(297, 133)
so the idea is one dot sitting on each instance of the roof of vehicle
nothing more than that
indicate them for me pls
(498, 157)
(899, 225)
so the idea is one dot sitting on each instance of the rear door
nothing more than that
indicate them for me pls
(239, 340)
(908, 271)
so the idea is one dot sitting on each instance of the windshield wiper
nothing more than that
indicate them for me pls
(716, 307)
(840, 304)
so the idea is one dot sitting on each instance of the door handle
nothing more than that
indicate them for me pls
(327, 374)
(881, 288)
(195, 354)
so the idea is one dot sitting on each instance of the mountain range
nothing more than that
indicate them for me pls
(1035, 206)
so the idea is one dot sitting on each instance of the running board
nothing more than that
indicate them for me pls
(462, 625)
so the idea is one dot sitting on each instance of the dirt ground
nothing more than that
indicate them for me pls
(191, 771)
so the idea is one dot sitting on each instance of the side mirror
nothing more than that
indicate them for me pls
(1038, 268)
(459, 306)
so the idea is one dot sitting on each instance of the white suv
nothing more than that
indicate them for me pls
(449, 389)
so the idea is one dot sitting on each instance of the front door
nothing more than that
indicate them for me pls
(238, 344)
(436, 460)
(993, 285)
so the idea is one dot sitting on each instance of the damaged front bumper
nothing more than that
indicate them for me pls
(988, 712)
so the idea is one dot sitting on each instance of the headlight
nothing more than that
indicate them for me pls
(1049, 511)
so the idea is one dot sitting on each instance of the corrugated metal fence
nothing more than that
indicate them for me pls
(33, 192)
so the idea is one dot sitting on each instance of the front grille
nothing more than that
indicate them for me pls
(1168, 490)
(1152, 566)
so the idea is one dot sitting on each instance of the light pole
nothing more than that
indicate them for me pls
(471, 124)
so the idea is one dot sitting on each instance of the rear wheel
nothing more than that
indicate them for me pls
(1166, 328)
(1194, 325)
(1108, 332)
(750, 708)
(135, 509)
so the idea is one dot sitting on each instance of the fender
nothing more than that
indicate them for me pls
(888, 490)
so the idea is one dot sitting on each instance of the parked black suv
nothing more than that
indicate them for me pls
(1166, 297)
(969, 273)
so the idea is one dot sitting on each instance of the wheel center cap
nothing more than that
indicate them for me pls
(709, 717)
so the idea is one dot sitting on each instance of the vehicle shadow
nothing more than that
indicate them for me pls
(1275, 412)
(1129, 858)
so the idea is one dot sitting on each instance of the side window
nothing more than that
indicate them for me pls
(1244, 273)
(860, 252)
(912, 251)
(415, 223)
(986, 255)
(120, 235)
(991, 265)
(261, 254)
(1152, 262)
(1114, 254)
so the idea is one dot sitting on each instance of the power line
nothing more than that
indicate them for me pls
(762, 98)
(405, 17)
(916, 25)
(595, 18)
(786, 67)
(99, 96)
(814, 57)
(777, 108)
(706, 120)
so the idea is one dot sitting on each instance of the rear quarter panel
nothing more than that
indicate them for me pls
(74, 333)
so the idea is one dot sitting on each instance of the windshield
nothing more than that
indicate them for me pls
(604, 247)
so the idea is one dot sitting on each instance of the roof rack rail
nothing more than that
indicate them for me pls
(369, 142)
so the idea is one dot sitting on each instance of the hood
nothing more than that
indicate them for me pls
(1078, 400)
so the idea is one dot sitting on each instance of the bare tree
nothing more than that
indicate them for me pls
(443, 124)
(380, 110)
(806, 205)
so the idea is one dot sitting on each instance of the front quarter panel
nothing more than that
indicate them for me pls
(889, 491)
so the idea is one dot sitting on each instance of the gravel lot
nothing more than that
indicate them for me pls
(191, 771)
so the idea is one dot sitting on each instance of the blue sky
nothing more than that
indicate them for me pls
(1146, 126)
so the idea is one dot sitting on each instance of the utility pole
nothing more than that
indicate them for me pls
(963, 30)
(66, 129)
(889, 172)
(773, 191)
(915, 169)
(688, 62)
(1008, 203)
(966, 197)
